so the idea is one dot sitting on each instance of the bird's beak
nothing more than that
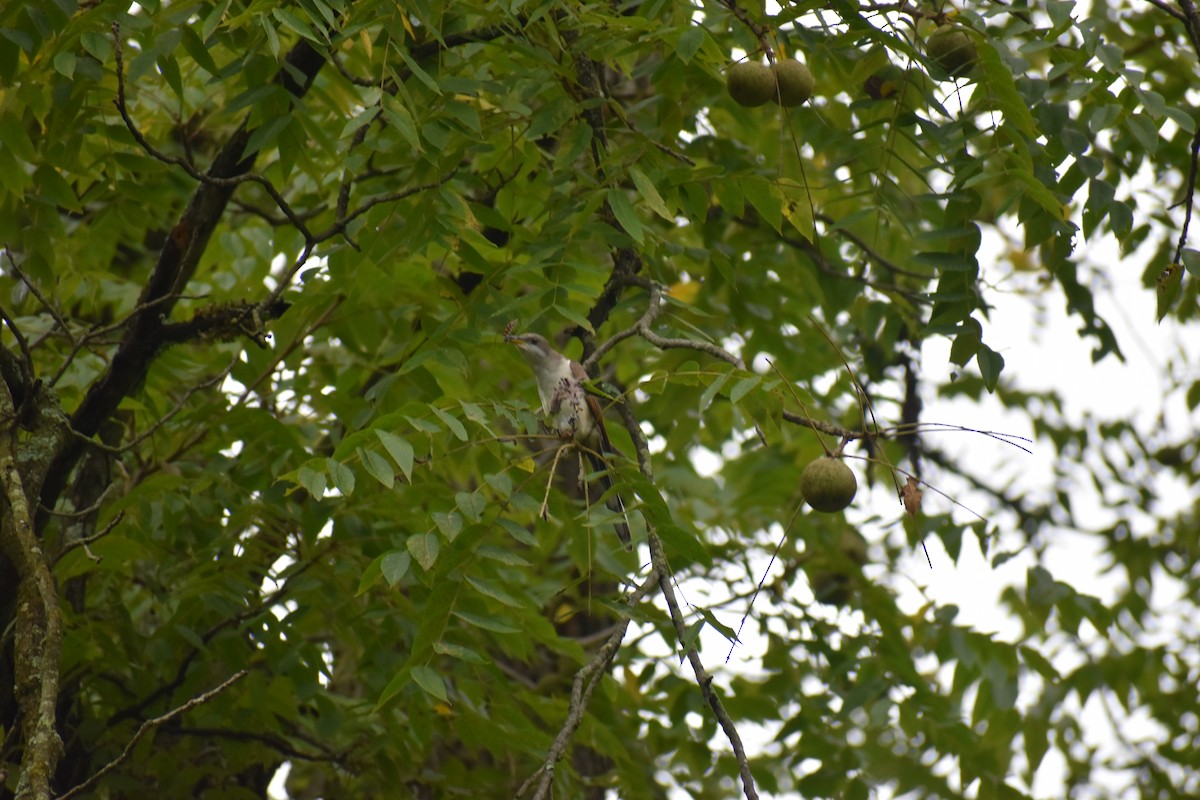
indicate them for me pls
(514, 340)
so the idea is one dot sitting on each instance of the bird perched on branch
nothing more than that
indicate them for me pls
(570, 411)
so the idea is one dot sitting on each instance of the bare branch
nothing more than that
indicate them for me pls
(195, 174)
(38, 294)
(586, 681)
(97, 333)
(24, 345)
(663, 571)
(150, 725)
(89, 540)
(205, 384)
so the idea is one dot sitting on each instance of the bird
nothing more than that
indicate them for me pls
(571, 412)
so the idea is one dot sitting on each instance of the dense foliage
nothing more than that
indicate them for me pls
(275, 493)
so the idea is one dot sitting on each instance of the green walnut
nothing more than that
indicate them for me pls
(795, 82)
(750, 83)
(828, 485)
(951, 49)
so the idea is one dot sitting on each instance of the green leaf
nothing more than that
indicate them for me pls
(312, 480)
(460, 652)
(766, 201)
(689, 42)
(452, 423)
(489, 589)
(450, 523)
(420, 74)
(990, 365)
(378, 466)
(394, 566)
(298, 25)
(424, 547)
(431, 681)
(691, 635)
(371, 575)
(98, 44)
(1002, 90)
(400, 451)
(626, 215)
(1145, 130)
(169, 68)
(64, 63)
(400, 119)
(472, 505)
(486, 623)
(726, 631)
(742, 387)
(265, 136)
(679, 542)
(195, 48)
(343, 476)
(649, 194)
(966, 342)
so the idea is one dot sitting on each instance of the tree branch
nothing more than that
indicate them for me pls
(38, 622)
(176, 263)
(148, 726)
(586, 681)
(58, 319)
(663, 570)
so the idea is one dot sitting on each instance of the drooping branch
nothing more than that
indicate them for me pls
(703, 679)
(660, 567)
(58, 318)
(150, 725)
(585, 683)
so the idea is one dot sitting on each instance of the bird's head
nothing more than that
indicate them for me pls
(532, 345)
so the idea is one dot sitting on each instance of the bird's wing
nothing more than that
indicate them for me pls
(593, 404)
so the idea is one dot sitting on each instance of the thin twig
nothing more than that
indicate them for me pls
(1163, 6)
(750, 606)
(663, 570)
(96, 333)
(86, 541)
(92, 509)
(195, 174)
(1191, 195)
(24, 345)
(118, 449)
(38, 294)
(148, 726)
(585, 682)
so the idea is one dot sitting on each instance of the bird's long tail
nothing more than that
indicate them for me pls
(614, 502)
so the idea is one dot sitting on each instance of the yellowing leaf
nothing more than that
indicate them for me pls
(684, 291)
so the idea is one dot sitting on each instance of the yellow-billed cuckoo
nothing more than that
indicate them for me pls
(570, 411)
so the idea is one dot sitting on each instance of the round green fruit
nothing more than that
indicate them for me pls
(951, 49)
(750, 83)
(795, 82)
(828, 485)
